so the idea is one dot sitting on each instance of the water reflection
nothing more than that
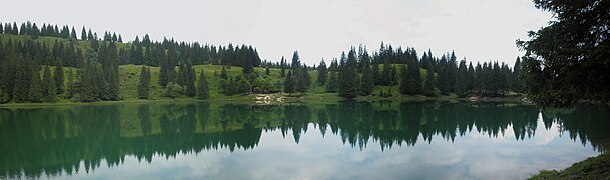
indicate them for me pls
(53, 141)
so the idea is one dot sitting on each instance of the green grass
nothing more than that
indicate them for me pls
(129, 76)
(591, 168)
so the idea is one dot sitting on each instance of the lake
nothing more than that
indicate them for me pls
(350, 140)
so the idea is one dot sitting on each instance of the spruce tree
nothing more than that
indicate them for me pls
(23, 77)
(73, 33)
(71, 85)
(83, 34)
(413, 78)
(386, 76)
(404, 82)
(243, 86)
(223, 73)
(367, 84)
(144, 83)
(203, 91)
(190, 89)
(296, 62)
(375, 74)
(289, 83)
(348, 81)
(282, 67)
(304, 80)
(461, 79)
(430, 84)
(59, 77)
(35, 93)
(322, 73)
(48, 85)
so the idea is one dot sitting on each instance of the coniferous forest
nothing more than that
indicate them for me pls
(48, 63)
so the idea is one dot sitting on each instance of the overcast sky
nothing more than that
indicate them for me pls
(480, 30)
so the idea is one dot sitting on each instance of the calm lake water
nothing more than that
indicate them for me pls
(380, 140)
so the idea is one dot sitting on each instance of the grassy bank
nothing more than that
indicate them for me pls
(591, 168)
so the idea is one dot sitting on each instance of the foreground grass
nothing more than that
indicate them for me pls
(591, 168)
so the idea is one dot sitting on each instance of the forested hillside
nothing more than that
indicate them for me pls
(50, 64)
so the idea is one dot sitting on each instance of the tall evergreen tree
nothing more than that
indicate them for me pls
(223, 73)
(35, 89)
(430, 84)
(144, 83)
(386, 73)
(190, 89)
(348, 81)
(303, 80)
(404, 84)
(461, 86)
(322, 73)
(367, 84)
(48, 86)
(289, 83)
(296, 61)
(282, 67)
(375, 74)
(23, 77)
(203, 91)
(83, 34)
(59, 77)
(517, 84)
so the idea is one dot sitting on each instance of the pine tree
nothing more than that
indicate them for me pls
(517, 84)
(413, 78)
(83, 34)
(304, 80)
(282, 67)
(203, 91)
(296, 62)
(289, 83)
(404, 82)
(59, 77)
(375, 74)
(348, 81)
(48, 85)
(322, 73)
(430, 84)
(23, 77)
(71, 85)
(144, 83)
(386, 76)
(73, 33)
(367, 84)
(35, 93)
(223, 73)
(190, 90)
(243, 86)
(462, 79)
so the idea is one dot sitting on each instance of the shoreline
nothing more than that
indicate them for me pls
(251, 99)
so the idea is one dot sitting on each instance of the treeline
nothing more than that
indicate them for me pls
(357, 73)
(94, 63)
(145, 51)
(96, 75)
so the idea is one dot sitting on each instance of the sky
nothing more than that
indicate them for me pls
(478, 30)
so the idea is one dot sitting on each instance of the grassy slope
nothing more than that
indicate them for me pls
(129, 75)
(591, 168)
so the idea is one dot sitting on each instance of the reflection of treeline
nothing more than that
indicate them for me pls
(584, 122)
(56, 140)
